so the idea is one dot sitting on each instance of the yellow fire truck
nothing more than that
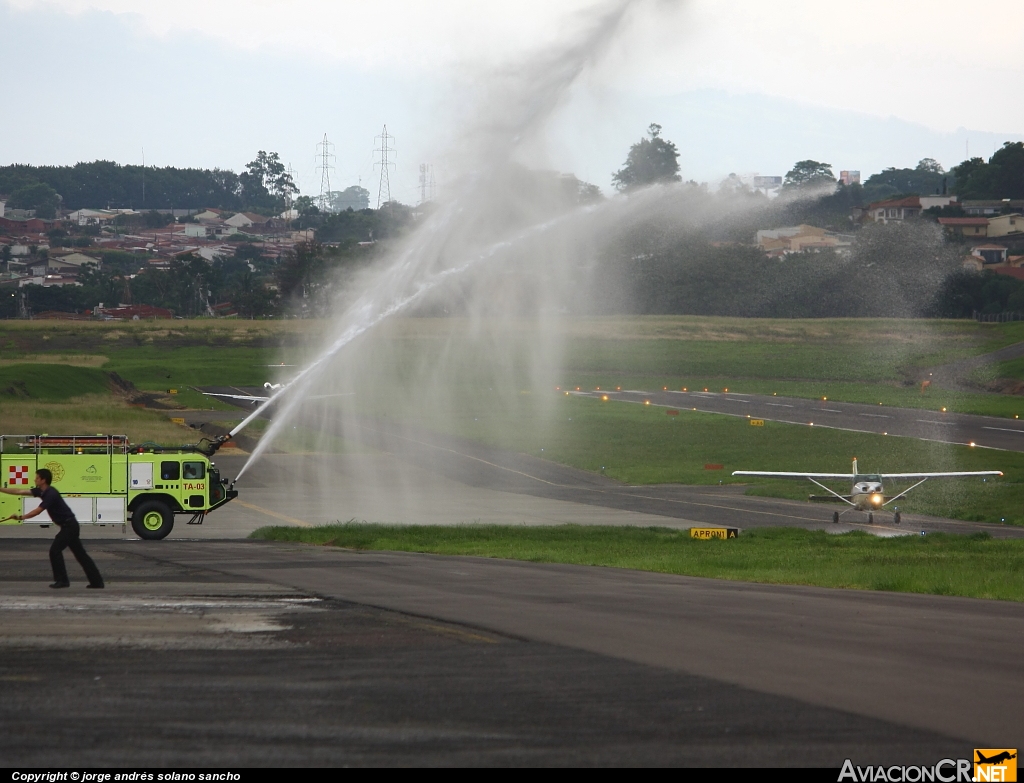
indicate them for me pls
(108, 481)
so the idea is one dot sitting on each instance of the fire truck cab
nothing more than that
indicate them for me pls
(108, 481)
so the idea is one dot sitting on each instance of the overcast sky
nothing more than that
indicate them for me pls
(741, 86)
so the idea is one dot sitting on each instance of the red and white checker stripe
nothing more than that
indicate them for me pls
(17, 474)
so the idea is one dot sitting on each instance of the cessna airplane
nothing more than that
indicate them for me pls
(867, 494)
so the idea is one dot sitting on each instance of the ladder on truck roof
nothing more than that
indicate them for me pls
(70, 444)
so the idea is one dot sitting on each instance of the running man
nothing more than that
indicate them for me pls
(68, 536)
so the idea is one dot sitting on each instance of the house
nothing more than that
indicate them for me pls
(3, 203)
(930, 202)
(209, 216)
(799, 239)
(246, 220)
(894, 210)
(29, 225)
(988, 208)
(92, 217)
(73, 261)
(47, 280)
(195, 230)
(1006, 225)
(986, 256)
(965, 227)
(131, 312)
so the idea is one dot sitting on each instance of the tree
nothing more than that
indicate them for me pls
(265, 183)
(1002, 177)
(926, 178)
(808, 174)
(354, 198)
(38, 196)
(649, 161)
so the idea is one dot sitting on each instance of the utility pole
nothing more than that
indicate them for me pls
(385, 149)
(324, 153)
(143, 177)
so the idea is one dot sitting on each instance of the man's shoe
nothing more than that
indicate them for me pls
(58, 585)
(96, 587)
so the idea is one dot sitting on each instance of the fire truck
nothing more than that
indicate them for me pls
(106, 480)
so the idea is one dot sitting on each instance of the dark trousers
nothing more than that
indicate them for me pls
(69, 538)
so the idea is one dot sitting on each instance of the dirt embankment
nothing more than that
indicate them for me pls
(133, 396)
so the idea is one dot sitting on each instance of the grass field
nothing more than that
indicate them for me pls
(478, 382)
(972, 566)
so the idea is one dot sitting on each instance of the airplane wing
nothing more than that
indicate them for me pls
(246, 397)
(257, 398)
(898, 476)
(778, 474)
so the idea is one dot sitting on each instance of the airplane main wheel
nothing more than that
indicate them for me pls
(871, 519)
(835, 517)
(896, 518)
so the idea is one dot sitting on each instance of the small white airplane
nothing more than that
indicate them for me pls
(867, 494)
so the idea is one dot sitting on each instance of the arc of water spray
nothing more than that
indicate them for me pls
(311, 371)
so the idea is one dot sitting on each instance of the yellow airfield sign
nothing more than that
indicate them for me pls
(757, 422)
(707, 533)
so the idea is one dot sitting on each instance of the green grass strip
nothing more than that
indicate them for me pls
(974, 566)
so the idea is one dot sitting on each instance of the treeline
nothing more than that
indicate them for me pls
(264, 185)
(103, 184)
(891, 271)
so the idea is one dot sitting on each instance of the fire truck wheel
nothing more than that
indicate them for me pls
(152, 520)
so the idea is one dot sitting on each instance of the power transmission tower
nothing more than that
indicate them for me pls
(385, 149)
(323, 152)
(428, 188)
(288, 196)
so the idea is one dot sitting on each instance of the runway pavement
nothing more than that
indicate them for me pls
(959, 428)
(412, 475)
(253, 653)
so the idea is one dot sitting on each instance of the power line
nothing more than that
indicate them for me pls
(325, 155)
(385, 149)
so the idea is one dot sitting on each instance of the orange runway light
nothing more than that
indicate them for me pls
(705, 388)
(558, 388)
(597, 388)
(972, 444)
(685, 389)
(577, 388)
(943, 410)
(725, 390)
(604, 397)
(618, 388)
(647, 402)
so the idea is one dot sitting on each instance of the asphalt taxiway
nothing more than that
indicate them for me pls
(252, 653)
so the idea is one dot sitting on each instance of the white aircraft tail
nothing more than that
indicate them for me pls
(854, 466)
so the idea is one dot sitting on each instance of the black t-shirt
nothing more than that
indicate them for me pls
(54, 504)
